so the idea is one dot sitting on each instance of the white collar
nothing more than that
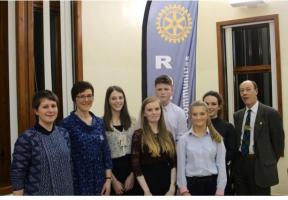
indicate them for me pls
(167, 106)
(191, 132)
(254, 108)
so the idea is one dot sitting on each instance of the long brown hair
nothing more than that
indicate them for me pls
(165, 139)
(215, 135)
(219, 101)
(124, 114)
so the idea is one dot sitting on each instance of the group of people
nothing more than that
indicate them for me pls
(157, 155)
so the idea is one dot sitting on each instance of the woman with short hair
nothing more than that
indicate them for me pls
(41, 162)
(89, 148)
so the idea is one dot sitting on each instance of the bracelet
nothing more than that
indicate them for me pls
(108, 177)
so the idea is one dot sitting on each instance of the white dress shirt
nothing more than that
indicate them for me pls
(254, 110)
(175, 120)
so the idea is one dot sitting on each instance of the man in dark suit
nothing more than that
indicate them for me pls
(260, 142)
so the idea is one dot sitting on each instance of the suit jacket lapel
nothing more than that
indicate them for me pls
(238, 126)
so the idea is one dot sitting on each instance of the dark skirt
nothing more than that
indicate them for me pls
(121, 170)
(157, 177)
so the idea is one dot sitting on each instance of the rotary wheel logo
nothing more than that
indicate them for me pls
(174, 23)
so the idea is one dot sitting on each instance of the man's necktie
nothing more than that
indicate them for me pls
(246, 135)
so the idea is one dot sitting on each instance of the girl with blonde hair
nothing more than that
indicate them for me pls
(201, 156)
(153, 151)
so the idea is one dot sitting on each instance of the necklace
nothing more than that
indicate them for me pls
(116, 122)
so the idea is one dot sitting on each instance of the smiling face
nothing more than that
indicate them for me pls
(163, 92)
(199, 116)
(213, 106)
(84, 101)
(248, 93)
(152, 112)
(47, 112)
(116, 101)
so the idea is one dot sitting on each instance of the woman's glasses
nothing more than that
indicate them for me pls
(89, 97)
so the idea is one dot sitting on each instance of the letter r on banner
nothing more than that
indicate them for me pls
(163, 61)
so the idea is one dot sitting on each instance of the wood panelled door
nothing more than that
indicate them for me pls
(4, 102)
(29, 67)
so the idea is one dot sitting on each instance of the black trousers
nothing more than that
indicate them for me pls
(229, 189)
(244, 177)
(205, 185)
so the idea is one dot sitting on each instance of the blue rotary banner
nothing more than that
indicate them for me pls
(169, 47)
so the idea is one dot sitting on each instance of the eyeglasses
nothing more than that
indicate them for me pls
(89, 97)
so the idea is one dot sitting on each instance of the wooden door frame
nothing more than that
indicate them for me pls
(5, 148)
(77, 23)
(220, 48)
(25, 58)
(25, 63)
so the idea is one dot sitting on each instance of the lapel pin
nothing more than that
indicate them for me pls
(260, 123)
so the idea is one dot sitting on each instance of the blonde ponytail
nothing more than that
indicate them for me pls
(215, 135)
